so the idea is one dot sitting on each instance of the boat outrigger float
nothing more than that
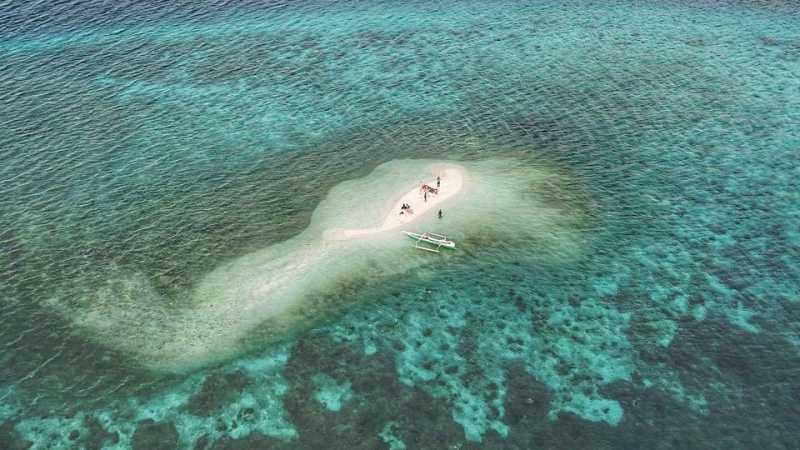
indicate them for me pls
(438, 240)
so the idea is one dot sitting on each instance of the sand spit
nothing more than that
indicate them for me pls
(354, 237)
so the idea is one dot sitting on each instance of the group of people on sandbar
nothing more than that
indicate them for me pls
(405, 208)
(433, 190)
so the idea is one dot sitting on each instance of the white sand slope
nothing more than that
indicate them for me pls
(452, 180)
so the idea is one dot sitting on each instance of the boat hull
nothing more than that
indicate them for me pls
(429, 238)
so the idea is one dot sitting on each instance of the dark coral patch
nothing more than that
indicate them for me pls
(10, 439)
(97, 437)
(218, 389)
(150, 435)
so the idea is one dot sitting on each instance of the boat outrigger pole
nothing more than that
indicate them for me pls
(437, 240)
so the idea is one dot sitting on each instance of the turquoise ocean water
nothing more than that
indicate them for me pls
(161, 140)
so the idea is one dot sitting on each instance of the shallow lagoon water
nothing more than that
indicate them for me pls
(160, 144)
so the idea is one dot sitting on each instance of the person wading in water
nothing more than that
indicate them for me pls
(440, 213)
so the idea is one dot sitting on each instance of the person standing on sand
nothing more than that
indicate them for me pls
(438, 181)
(426, 196)
(440, 213)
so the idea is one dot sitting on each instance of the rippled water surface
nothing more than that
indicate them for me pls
(145, 144)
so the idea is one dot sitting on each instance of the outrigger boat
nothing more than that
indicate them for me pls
(439, 240)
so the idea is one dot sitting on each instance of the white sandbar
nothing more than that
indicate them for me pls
(353, 239)
(452, 180)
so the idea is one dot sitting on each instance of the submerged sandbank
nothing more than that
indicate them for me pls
(354, 237)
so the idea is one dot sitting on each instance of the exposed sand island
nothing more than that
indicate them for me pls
(450, 181)
(354, 237)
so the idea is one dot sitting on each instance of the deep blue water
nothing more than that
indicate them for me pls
(154, 141)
